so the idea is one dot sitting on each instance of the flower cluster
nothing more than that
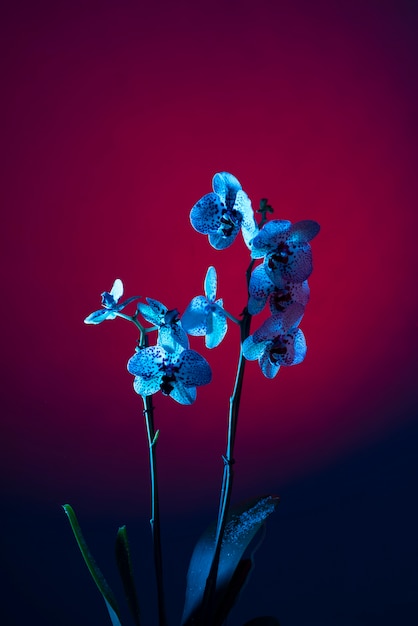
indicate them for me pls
(281, 280)
(170, 366)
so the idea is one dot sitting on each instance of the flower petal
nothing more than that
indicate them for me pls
(248, 225)
(173, 338)
(182, 394)
(282, 298)
(280, 323)
(219, 241)
(303, 231)
(299, 347)
(146, 362)
(219, 326)
(296, 268)
(100, 316)
(251, 349)
(194, 318)
(206, 214)
(147, 387)
(194, 370)
(117, 289)
(259, 288)
(153, 312)
(268, 368)
(210, 284)
(226, 186)
(268, 237)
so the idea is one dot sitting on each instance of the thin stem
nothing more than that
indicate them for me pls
(152, 436)
(228, 473)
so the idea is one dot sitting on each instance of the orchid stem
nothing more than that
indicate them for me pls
(152, 436)
(228, 473)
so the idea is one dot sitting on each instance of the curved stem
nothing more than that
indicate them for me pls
(152, 436)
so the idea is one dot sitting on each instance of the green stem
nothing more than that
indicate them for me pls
(152, 436)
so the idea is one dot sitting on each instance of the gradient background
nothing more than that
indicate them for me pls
(115, 116)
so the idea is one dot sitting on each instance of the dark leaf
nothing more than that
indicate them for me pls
(243, 523)
(123, 560)
(95, 572)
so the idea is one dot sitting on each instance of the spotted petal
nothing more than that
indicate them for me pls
(248, 225)
(220, 241)
(146, 362)
(153, 312)
(226, 186)
(194, 370)
(303, 231)
(206, 214)
(296, 269)
(269, 237)
(280, 323)
(148, 387)
(282, 298)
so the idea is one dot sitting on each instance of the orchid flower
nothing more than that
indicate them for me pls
(175, 373)
(205, 315)
(286, 251)
(170, 331)
(261, 289)
(110, 304)
(223, 213)
(278, 341)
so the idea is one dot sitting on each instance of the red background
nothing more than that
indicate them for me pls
(116, 116)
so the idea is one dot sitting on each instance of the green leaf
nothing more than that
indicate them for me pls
(242, 525)
(94, 570)
(124, 563)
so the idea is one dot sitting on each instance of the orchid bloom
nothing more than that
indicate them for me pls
(170, 331)
(286, 251)
(110, 300)
(277, 342)
(205, 315)
(176, 373)
(223, 213)
(262, 289)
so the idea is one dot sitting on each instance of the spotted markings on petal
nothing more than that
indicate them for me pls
(147, 362)
(206, 214)
(194, 370)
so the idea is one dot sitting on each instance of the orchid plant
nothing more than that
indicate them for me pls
(219, 566)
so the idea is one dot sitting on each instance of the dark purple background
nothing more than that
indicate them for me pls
(116, 115)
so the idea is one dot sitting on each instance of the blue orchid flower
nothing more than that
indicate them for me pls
(205, 315)
(262, 289)
(277, 342)
(286, 251)
(170, 331)
(175, 373)
(223, 213)
(110, 302)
